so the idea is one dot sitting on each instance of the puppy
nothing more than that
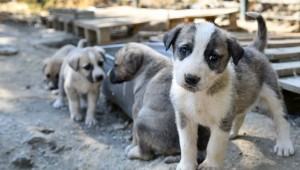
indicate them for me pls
(154, 128)
(80, 77)
(216, 82)
(52, 65)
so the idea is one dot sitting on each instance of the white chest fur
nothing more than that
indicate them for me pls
(77, 82)
(203, 108)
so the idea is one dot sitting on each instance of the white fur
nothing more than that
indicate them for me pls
(284, 146)
(195, 63)
(206, 110)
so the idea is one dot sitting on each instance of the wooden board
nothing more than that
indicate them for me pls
(283, 53)
(110, 22)
(200, 13)
(244, 36)
(287, 68)
(290, 83)
(278, 43)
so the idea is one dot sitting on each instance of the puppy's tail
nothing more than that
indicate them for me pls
(81, 43)
(260, 40)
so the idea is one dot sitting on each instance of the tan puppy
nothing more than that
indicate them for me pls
(80, 77)
(52, 65)
(154, 129)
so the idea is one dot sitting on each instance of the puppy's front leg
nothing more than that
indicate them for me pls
(187, 130)
(59, 102)
(91, 110)
(74, 105)
(216, 148)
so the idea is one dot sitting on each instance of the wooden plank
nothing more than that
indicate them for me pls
(95, 24)
(287, 68)
(278, 43)
(290, 83)
(283, 53)
(244, 36)
(203, 13)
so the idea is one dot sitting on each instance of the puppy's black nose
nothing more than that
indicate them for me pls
(191, 79)
(99, 78)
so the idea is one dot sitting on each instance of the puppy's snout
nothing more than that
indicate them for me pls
(99, 77)
(191, 79)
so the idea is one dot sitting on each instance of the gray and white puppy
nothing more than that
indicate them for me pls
(154, 128)
(80, 77)
(216, 82)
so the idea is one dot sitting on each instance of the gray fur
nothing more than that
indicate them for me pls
(183, 120)
(218, 85)
(154, 118)
(260, 40)
(226, 123)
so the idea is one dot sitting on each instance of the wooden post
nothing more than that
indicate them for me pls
(103, 35)
(243, 8)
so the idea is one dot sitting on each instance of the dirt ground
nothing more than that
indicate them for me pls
(34, 135)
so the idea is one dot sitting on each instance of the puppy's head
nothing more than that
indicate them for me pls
(201, 53)
(88, 62)
(128, 61)
(51, 69)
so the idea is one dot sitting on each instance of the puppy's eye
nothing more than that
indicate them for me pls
(183, 51)
(213, 58)
(100, 63)
(48, 75)
(87, 67)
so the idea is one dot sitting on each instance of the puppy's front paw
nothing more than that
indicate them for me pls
(90, 121)
(233, 135)
(284, 148)
(76, 117)
(58, 104)
(186, 166)
(207, 165)
(127, 149)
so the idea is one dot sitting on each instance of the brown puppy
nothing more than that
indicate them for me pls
(52, 65)
(153, 115)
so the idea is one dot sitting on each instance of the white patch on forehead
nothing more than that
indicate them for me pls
(203, 34)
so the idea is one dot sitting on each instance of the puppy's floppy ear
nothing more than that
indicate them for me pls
(134, 57)
(171, 36)
(73, 62)
(235, 50)
(101, 51)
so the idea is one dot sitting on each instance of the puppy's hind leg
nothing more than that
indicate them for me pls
(237, 123)
(284, 146)
(142, 149)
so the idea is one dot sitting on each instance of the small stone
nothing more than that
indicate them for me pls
(23, 162)
(245, 134)
(241, 153)
(35, 140)
(28, 87)
(46, 131)
(52, 145)
(118, 126)
(8, 50)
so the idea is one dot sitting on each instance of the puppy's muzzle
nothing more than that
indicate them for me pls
(191, 80)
